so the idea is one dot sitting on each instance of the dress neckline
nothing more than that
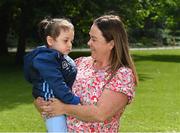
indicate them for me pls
(104, 68)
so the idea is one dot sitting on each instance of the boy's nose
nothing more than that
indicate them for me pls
(70, 44)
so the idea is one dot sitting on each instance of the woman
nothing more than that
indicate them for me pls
(105, 81)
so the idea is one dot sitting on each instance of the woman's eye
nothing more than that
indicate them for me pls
(93, 39)
(65, 41)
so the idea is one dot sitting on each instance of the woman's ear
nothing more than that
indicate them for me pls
(111, 44)
(49, 40)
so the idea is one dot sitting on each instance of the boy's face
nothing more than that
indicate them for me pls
(63, 43)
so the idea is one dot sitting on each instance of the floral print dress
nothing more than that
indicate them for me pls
(88, 85)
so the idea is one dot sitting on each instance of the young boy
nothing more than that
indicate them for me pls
(49, 68)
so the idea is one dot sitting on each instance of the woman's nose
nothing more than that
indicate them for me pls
(89, 43)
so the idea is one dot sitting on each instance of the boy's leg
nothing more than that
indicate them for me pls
(56, 124)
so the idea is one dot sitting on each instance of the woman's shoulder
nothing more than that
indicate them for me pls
(125, 74)
(123, 82)
(124, 70)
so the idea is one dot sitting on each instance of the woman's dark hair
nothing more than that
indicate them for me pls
(112, 28)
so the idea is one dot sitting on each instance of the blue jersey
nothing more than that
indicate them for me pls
(51, 73)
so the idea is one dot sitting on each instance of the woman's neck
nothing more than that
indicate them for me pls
(100, 64)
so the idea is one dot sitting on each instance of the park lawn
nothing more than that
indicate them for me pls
(156, 107)
(17, 113)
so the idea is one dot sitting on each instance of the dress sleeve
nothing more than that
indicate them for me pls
(123, 82)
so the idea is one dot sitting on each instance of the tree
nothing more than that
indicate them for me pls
(5, 17)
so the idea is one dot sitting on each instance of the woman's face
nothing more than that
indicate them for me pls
(100, 49)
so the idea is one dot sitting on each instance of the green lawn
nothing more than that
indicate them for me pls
(156, 107)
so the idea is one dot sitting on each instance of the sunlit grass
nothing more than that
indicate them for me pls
(17, 113)
(156, 107)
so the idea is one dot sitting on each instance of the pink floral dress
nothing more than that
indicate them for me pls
(88, 85)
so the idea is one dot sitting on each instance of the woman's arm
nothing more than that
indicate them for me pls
(108, 105)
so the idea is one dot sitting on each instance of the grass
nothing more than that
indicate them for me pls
(17, 113)
(156, 107)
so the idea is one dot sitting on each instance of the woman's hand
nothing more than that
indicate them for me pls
(40, 103)
(54, 107)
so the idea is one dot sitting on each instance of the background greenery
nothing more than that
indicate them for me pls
(156, 107)
(148, 22)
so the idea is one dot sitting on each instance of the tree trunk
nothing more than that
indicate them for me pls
(5, 11)
(23, 25)
(3, 44)
(20, 48)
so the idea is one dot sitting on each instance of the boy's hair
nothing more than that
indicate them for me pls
(52, 27)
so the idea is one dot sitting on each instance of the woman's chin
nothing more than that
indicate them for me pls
(93, 56)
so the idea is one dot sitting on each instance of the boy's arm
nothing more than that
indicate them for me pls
(48, 67)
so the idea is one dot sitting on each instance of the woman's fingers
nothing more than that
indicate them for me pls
(40, 101)
(48, 111)
(46, 108)
(53, 99)
(38, 104)
(49, 108)
(39, 98)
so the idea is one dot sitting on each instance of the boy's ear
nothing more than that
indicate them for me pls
(49, 40)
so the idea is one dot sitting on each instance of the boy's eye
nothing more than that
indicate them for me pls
(65, 40)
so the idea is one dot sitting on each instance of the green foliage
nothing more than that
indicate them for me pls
(141, 18)
(153, 17)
